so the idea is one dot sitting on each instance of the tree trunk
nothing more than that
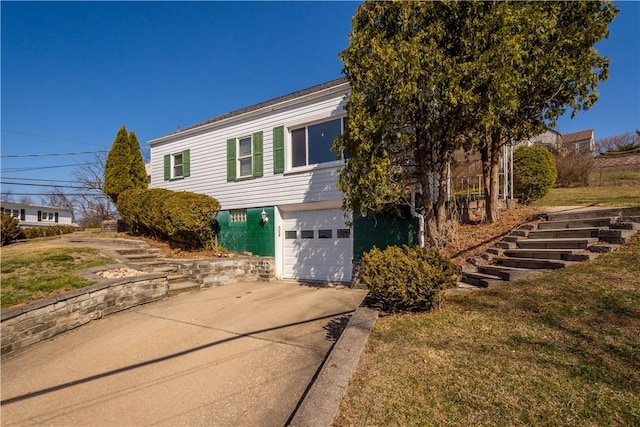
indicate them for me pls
(490, 155)
(441, 207)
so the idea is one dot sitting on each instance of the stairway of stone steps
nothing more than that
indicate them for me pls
(147, 259)
(554, 241)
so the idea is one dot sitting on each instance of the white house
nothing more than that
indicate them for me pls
(270, 167)
(37, 216)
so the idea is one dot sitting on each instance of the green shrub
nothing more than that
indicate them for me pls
(9, 229)
(54, 230)
(403, 278)
(534, 173)
(182, 218)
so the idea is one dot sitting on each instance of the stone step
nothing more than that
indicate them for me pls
(602, 247)
(166, 268)
(566, 233)
(131, 251)
(593, 213)
(506, 245)
(618, 237)
(177, 277)
(506, 273)
(463, 285)
(479, 279)
(626, 225)
(149, 265)
(551, 254)
(556, 243)
(182, 286)
(142, 257)
(496, 251)
(531, 263)
(575, 223)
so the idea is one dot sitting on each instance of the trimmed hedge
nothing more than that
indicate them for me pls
(534, 173)
(403, 278)
(54, 230)
(182, 218)
(9, 229)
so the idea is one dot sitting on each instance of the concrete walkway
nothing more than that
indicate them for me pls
(238, 355)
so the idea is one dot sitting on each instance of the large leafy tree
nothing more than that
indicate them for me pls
(124, 168)
(531, 62)
(430, 77)
(406, 112)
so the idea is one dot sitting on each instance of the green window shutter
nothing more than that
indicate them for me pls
(231, 159)
(278, 149)
(167, 167)
(257, 155)
(186, 163)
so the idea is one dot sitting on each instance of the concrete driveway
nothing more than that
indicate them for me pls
(237, 355)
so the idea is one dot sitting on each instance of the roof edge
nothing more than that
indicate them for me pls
(252, 109)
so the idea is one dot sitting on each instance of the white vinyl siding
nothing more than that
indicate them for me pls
(315, 183)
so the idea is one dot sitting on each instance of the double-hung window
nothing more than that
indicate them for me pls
(245, 157)
(311, 144)
(177, 165)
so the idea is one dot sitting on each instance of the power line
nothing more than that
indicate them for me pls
(48, 137)
(41, 167)
(42, 185)
(40, 180)
(48, 194)
(50, 154)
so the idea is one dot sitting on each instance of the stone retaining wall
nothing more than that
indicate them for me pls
(213, 272)
(28, 324)
(621, 162)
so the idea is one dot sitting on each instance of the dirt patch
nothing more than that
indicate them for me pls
(470, 240)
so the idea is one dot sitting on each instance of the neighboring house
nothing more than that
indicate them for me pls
(550, 139)
(37, 216)
(582, 142)
(270, 167)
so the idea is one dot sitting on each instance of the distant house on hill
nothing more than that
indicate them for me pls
(37, 216)
(582, 142)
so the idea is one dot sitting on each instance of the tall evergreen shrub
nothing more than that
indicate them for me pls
(534, 173)
(124, 168)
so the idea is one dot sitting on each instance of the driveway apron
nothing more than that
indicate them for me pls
(241, 354)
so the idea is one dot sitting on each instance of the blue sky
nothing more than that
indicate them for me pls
(74, 72)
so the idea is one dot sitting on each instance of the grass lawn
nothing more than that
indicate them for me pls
(29, 271)
(619, 195)
(562, 348)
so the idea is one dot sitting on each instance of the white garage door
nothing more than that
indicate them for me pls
(317, 246)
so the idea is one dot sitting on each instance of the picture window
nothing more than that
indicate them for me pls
(311, 144)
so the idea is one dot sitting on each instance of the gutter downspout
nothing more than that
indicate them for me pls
(420, 217)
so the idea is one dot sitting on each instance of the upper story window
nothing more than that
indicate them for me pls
(245, 157)
(311, 144)
(177, 165)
